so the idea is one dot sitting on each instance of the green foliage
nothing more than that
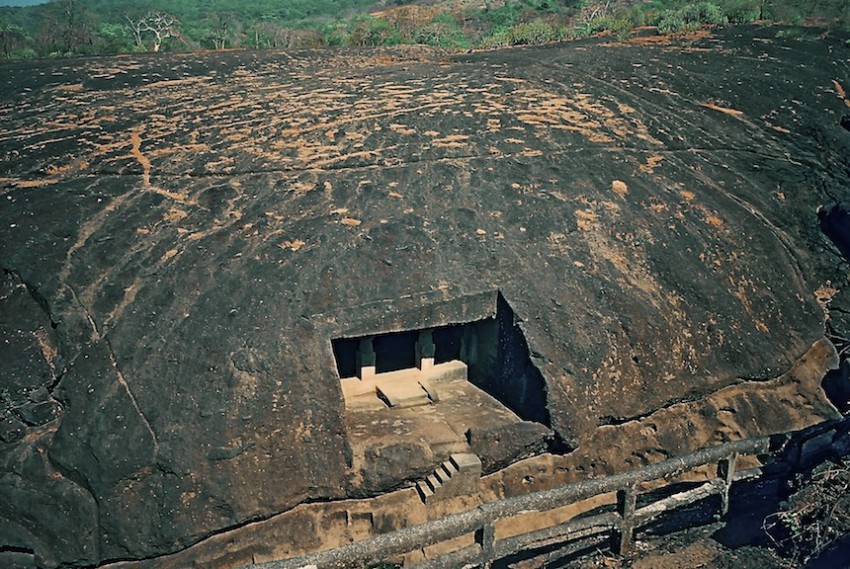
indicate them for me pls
(102, 26)
(365, 30)
(335, 34)
(704, 13)
(690, 17)
(637, 17)
(13, 40)
(115, 38)
(832, 13)
(24, 53)
(500, 37)
(742, 11)
(532, 33)
(513, 12)
(617, 25)
(443, 31)
(372, 31)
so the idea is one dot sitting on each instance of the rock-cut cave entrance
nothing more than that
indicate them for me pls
(426, 382)
(411, 368)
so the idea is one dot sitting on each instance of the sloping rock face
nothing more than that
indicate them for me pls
(182, 236)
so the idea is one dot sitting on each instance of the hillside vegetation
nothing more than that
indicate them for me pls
(88, 27)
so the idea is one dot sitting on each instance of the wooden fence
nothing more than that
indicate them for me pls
(618, 526)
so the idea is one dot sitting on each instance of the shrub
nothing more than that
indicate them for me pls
(638, 17)
(704, 13)
(619, 26)
(361, 31)
(674, 23)
(815, 516)
(786, 12)
(25, 53)
(690, 17)
(532, 33)
(499, 37)
(742, 11)
(443, 31)
(335, 35)
(372, 31)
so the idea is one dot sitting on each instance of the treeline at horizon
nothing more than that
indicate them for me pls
(94, 27)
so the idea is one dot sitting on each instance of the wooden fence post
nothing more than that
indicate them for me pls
(623, 535)
(481, 520)
(726, 473)
(486, 538)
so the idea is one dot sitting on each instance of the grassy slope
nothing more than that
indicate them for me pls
(445, 23)
(192, 11)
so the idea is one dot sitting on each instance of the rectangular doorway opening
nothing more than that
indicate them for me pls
(491, 353)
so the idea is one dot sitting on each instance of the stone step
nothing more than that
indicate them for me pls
(466, 461)
(424, 490)
(429, 389)
(443, 474)
(441, 484)
(409, 375)
(402, 393)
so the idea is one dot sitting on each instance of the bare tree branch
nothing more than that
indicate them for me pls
(159, 24)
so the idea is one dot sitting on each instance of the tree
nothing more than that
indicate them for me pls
(113, 38)
(410, 21)
(264, 33)
(269, 34)
(67, 27)
(372, 31)
(12, 38)
(160, 25)
(597, 9)
(136, 29)
(224, 25)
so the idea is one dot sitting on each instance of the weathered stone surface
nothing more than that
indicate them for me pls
(816, 449)
(11, 429)
(841, 444)
(18, 560)
(28, 351)
(500, 446)
(386, 465)
(39, 413)
(185, 235)
(43, 510)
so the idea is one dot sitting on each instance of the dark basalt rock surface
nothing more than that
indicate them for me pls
(181, 237)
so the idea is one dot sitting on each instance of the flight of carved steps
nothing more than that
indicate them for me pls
(457, 476)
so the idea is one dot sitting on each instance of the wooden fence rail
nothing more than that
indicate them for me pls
(480, 521)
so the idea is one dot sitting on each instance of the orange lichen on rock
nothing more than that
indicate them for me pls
(651, 163)
(725, 110)
(586, 219)
(841, 92)
(620, 188)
